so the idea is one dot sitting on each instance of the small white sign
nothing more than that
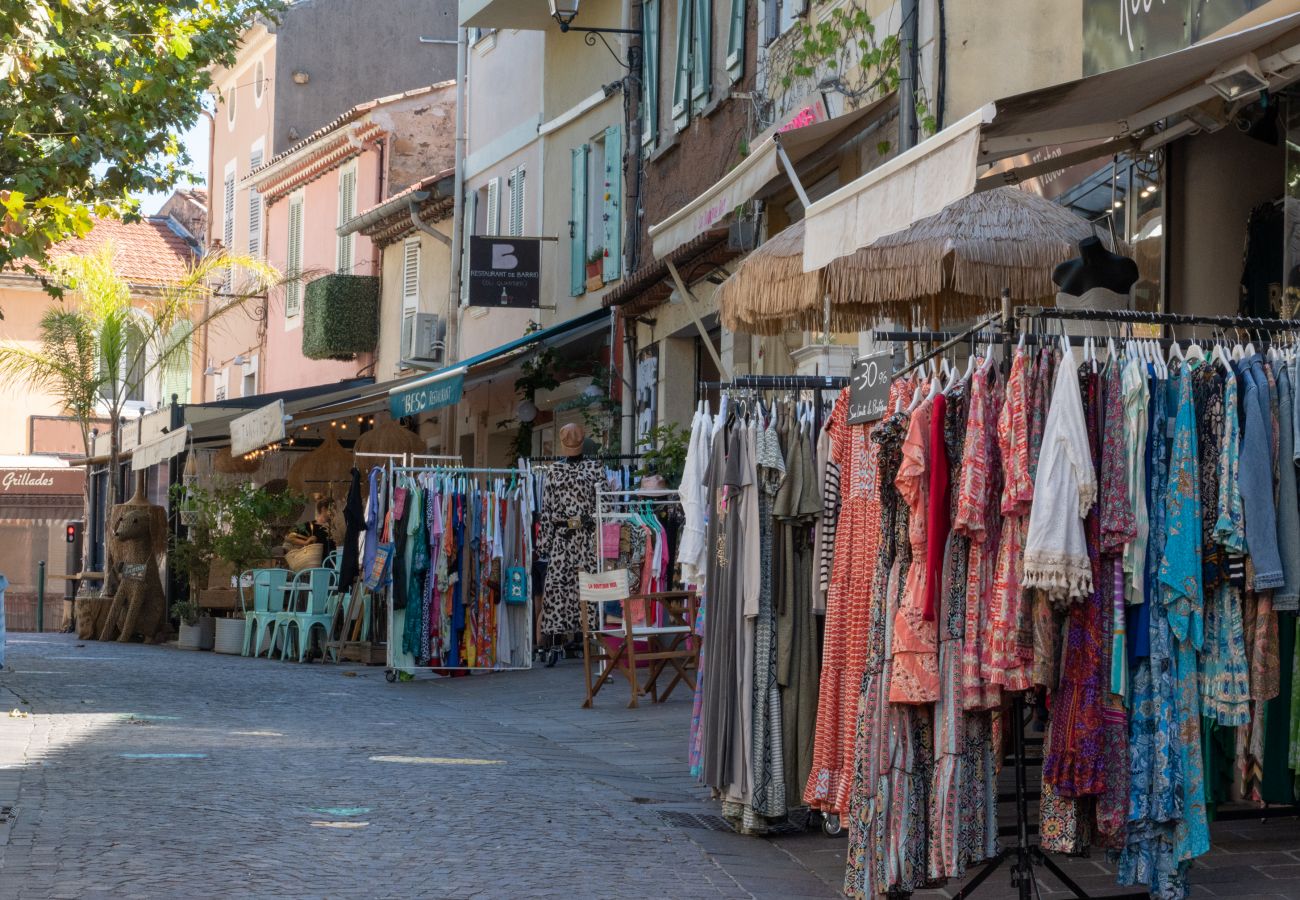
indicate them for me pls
(160, 449)
(257, 429)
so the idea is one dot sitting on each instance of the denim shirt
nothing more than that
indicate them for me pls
(1288, 509)
(1256, 477)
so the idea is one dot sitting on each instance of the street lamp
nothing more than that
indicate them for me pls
(565, 11)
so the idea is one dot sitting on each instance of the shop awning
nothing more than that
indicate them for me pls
(751, 178)
(445, 386)
(1094, 117)
(651, 284)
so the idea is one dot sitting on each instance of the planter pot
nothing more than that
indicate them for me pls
(595, 283)
(197, 637)
(229, 636)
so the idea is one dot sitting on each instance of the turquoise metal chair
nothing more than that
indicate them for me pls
(318, 615)
(305, 595)
(266, 584)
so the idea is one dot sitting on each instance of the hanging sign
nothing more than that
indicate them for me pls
(42, 481)
(445, 390)
(255, 430)
(505, 271)
(603, 587)
(160, 449)
(869, 388)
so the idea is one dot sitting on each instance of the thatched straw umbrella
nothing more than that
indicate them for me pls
(388, 437)
(770, 288)
(955, 264)
(325, 470)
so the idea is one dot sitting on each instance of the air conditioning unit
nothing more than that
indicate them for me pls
(423, 338)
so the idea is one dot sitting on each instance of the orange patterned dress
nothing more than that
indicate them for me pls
(915, 643)
(848, 600)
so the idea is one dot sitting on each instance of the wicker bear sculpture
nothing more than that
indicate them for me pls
(138, 534)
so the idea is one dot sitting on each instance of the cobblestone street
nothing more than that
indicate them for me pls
(150, 772)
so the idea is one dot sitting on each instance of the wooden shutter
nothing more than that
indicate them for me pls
(517, 202)
(771, 21)
(682, 67)
(410, 276)
(612, 205)
(254, 211)
(347, 208)
(701, 55)
(228, 225)
(493, 207)
(176, 366)
(649, 72)
(469, 228)
(293, 262)
(736, 41)
(578, 222)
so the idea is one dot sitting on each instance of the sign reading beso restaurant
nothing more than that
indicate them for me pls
(505, 271)
(41, 481)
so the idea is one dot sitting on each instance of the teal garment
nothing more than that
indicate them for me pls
(1180, 590)
(417, 556)
(1287, 598)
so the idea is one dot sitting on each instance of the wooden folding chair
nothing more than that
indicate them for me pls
(666, 638)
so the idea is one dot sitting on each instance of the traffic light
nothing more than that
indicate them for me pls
(72, 533)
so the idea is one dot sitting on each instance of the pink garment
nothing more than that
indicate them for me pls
(915, 647)
(939, 509)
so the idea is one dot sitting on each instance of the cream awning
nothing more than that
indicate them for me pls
(1089, 118)
(749, 179)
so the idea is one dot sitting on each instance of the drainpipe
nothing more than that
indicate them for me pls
(452, 351)
(908, 72)
(207, 243)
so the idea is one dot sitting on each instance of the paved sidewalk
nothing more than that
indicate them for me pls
(152, 772)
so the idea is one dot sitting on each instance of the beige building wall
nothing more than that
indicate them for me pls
(435, 275)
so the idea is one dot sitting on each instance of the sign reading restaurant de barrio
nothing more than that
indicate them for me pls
(41, 481)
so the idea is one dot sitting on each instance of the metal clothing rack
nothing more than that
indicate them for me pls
(779, 383)
(476, 475)
(608, 503)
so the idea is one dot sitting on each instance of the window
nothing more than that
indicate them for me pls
(701, 54)
(736, 41)
(578, 222)
(230, 106)
(293, 260)
(410, 276)
(347, 209)
(254, 209)
(779, 16)
(492, 208)
(682, 64)
(516, 201)
(595, 195)
(249, 386)
(223, 384)
(259, 82)
(176, 363)
(650, 74)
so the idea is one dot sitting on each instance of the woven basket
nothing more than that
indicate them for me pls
(308, 557)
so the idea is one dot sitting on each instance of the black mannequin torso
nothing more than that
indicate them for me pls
(1096, 267)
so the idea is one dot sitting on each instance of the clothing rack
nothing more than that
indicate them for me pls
(608, 505)
(474, 474)
(600, 457)
(1139, 317)
(779, 383)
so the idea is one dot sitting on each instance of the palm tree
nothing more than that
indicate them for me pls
(98, 348)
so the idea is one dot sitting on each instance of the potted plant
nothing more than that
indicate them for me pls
(197, 631)
(664, 453)
(596, 269)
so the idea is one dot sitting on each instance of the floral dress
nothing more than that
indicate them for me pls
(868, 805)
(915, 640)
(978, 520)
(1009, 654)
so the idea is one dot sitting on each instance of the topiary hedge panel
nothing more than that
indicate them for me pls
(340, 317)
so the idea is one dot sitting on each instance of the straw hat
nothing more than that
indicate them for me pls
(571, 438)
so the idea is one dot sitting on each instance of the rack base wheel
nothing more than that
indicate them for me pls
(390, 675)
(831, 826)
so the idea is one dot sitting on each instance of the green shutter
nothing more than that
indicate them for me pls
(736, 41)
(682, 63)
(649, 72)
(176, 365)
(578, 223)
(702, 55)
(612, 208)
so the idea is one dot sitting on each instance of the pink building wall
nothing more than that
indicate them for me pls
(283, 365)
